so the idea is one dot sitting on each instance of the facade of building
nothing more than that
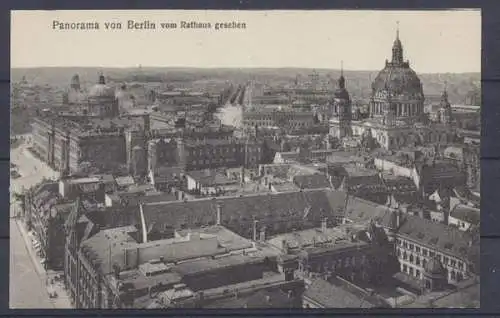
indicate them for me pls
(287, 119)
(420, 241)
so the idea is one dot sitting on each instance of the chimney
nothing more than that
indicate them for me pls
(285, 248)
(446, 216)
(268, 299)
(263, 234)
(398, 219)
(255, 222)
(219, 213)
(421, 213)
(324, 224)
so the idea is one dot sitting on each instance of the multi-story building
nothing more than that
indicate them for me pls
(199, 264)
(453, 254)
(204, 154)
(285, 118)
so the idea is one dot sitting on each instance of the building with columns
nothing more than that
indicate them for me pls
(396, 107)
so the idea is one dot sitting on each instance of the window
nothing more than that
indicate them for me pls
(411, 258)
(445, 260)
(405, 268)
(461, 265)
(417, 249)
(424, 252)
(417, 273)
(405, 256)
(417, 260)
(411, 247)
(411, 271)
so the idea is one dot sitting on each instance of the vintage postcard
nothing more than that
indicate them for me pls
(245, 159)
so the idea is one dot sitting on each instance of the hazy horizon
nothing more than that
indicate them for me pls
(433, 41)
(151, 67)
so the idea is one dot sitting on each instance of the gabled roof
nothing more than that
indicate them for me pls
(310, 205)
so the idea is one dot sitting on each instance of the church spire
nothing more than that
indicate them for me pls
(341, 81)
(444, 96)
(102, 79)
(397, 30)
(397, 48)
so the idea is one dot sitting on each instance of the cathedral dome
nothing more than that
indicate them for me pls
(398, 80)
(397, 77)
(100, 89)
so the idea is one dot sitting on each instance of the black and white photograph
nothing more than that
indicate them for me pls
(245, 159)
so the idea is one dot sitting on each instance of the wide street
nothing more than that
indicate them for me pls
(27, 279)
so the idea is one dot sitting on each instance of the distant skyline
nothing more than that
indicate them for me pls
(433, 41)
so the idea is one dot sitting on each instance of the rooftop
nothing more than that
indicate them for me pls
(444, 238)
(210, 178)
(467, 214)
(309, 205)
(208, 264)
(315, 181)
(328, 295)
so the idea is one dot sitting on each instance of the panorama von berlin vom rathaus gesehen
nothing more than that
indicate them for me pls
(157, 192)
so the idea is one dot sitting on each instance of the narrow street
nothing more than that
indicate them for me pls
(27, 277)
(26, 288)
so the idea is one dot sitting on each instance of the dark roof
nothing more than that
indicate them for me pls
(329, 295)
(274, 298)
(314, 181)
(444, 238)
(466, 213)
(204, 265)
(310, 205)
(166, 174)
(134, 198)
(360, 210)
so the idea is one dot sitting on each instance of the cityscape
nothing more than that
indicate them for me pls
(157, 188)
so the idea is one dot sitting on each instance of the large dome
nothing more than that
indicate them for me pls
(101, 89)
(398, 80)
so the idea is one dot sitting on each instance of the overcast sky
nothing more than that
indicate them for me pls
(433, 41)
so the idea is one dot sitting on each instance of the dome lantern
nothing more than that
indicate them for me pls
(397, 49)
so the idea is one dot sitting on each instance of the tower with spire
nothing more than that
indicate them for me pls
(340, 123)
(445, 107)
(397, 49)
